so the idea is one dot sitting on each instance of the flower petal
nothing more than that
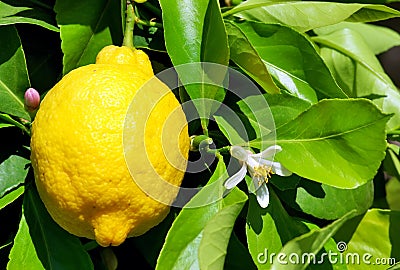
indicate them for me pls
(269, 152)
(239, 152)
(235, 179)
(277, 167)
(252, 162)
(263, 196)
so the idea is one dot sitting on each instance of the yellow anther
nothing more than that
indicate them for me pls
(264, 173)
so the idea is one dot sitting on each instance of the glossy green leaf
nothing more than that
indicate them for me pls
(86, 27)
(321, 200)
(11, 196)
(25, 12)
(257, 110)
(359, 72)
(384, 38)
(269, 229)
(307, 15)
(324, 145)
(13, 74)
(310, 243)
(292, 83)
(292, 54)
(181, 247)
(282, 109)
(373, 241)
(13, 172)
(55, 247)
(199, 29)
(23, 254)
(216, 234)
(229, 127)
(183, 24)
(244, 55)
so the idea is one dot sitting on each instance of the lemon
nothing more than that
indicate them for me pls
(78, 154)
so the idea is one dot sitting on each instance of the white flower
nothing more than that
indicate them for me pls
(260, 169)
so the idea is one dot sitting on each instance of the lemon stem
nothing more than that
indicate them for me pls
(129, 25)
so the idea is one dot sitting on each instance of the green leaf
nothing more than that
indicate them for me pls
(309, 243)
(323, 201)
(181, 247)
(384, 38)
(282, 109)
(25, 12)
(23, 253)
(269, 229)
(294, 55)
(372, 239)
(13, 74)
(324, 145)
(359, 72)
(292, 83)
(11, 197)
(307, 15)
(257, 110)
(216, 234)
(198, 28)
(244, 55)
(55, 247)
(86, 27)
(13, 172)
(232, 129)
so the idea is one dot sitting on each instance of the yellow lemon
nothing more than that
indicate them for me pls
(78, 154)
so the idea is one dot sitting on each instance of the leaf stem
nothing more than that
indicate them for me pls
(10, 120)
(148, 23)
(129, 25)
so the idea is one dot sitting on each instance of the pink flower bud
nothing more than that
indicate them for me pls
(32, 99)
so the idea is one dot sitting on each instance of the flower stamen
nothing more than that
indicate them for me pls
(263, 173)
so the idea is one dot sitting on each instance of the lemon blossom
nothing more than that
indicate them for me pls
(260, 169)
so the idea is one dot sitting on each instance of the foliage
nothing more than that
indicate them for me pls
(320, 93)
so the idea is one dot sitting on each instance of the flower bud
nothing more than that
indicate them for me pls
(32, 99)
